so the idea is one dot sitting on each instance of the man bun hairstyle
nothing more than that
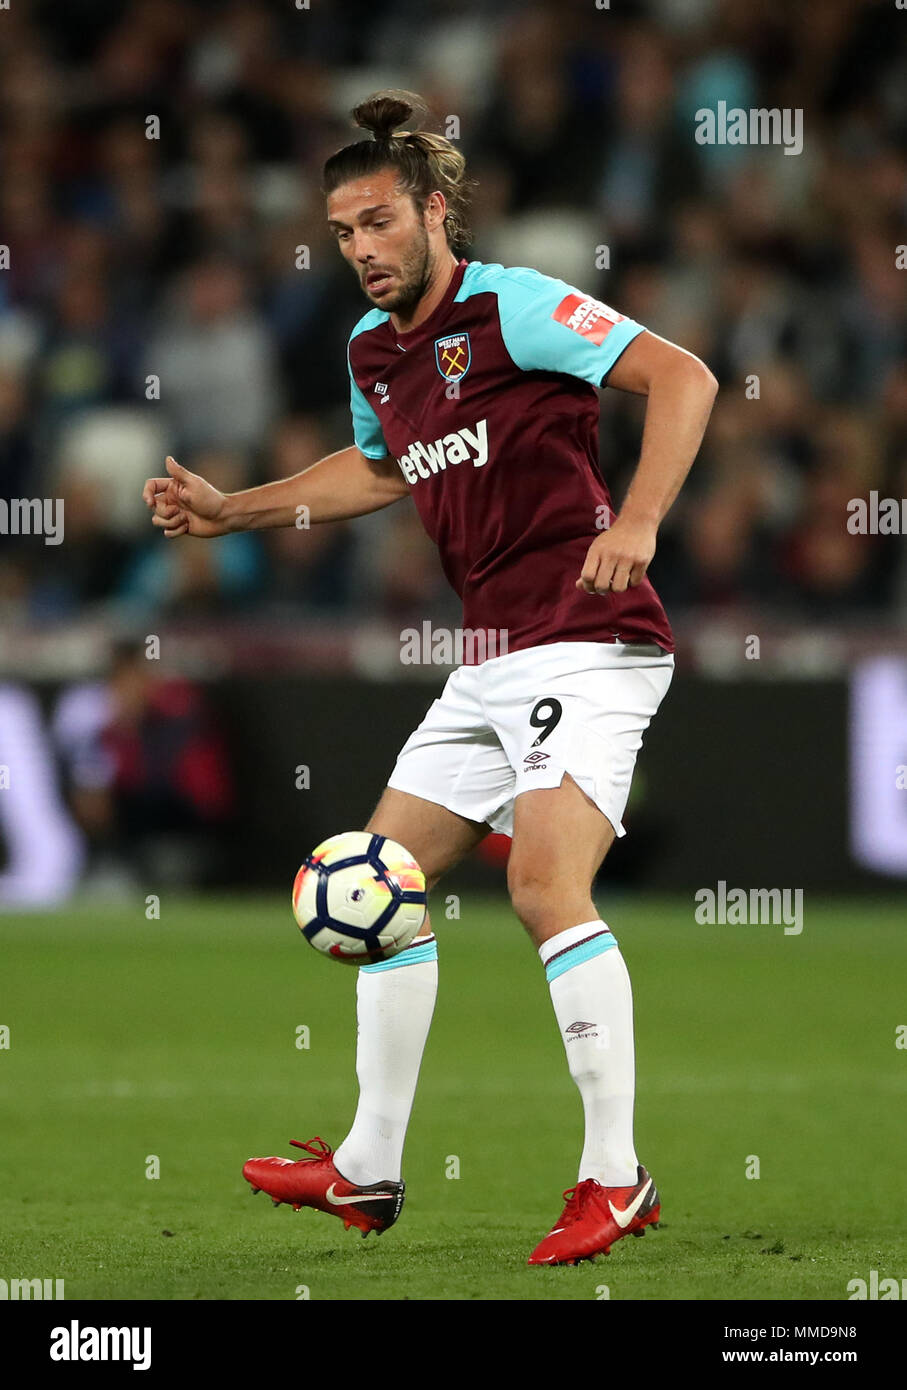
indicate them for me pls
(382, 113)
(425, 163)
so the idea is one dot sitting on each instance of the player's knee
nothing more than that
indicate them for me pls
(546, 900)
(536, 898)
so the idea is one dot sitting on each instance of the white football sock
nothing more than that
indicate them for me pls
(395, 1003)
(593, 1002)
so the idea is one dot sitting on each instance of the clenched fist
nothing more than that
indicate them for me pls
(183, 504)
(618, 559)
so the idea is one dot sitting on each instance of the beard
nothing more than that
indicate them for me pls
(415, 274)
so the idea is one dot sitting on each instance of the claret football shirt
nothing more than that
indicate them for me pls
(489, 407)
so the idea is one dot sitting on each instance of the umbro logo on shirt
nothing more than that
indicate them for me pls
(460, 446)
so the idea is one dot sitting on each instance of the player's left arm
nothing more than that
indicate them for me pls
(681, 391)
(550, 326)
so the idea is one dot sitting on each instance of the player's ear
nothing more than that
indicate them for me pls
(435, 209)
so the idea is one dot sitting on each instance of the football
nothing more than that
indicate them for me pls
(359, 898)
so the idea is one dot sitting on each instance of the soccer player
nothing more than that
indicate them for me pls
(473, 392)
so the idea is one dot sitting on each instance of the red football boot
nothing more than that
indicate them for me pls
(595, 1217)
(315, 1182)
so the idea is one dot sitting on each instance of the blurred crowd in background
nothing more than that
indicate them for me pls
(175, 257)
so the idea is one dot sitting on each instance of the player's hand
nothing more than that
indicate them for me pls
(183, 504)
(618, 559)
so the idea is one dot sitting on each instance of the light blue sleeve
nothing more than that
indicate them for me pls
(548, 325)
(367, 431)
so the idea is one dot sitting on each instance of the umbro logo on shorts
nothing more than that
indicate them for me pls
(534, 759)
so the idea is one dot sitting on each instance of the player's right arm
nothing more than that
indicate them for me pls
(342, 485)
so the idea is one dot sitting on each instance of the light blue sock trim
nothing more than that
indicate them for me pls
(578, 955)
(413, 955)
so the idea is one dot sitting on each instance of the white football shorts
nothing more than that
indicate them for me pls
(521, 721)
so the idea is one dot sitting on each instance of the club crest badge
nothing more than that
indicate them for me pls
(453, 356)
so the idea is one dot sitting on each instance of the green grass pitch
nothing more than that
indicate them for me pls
(177, 1039)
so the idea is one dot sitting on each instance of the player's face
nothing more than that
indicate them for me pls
(384, 238)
